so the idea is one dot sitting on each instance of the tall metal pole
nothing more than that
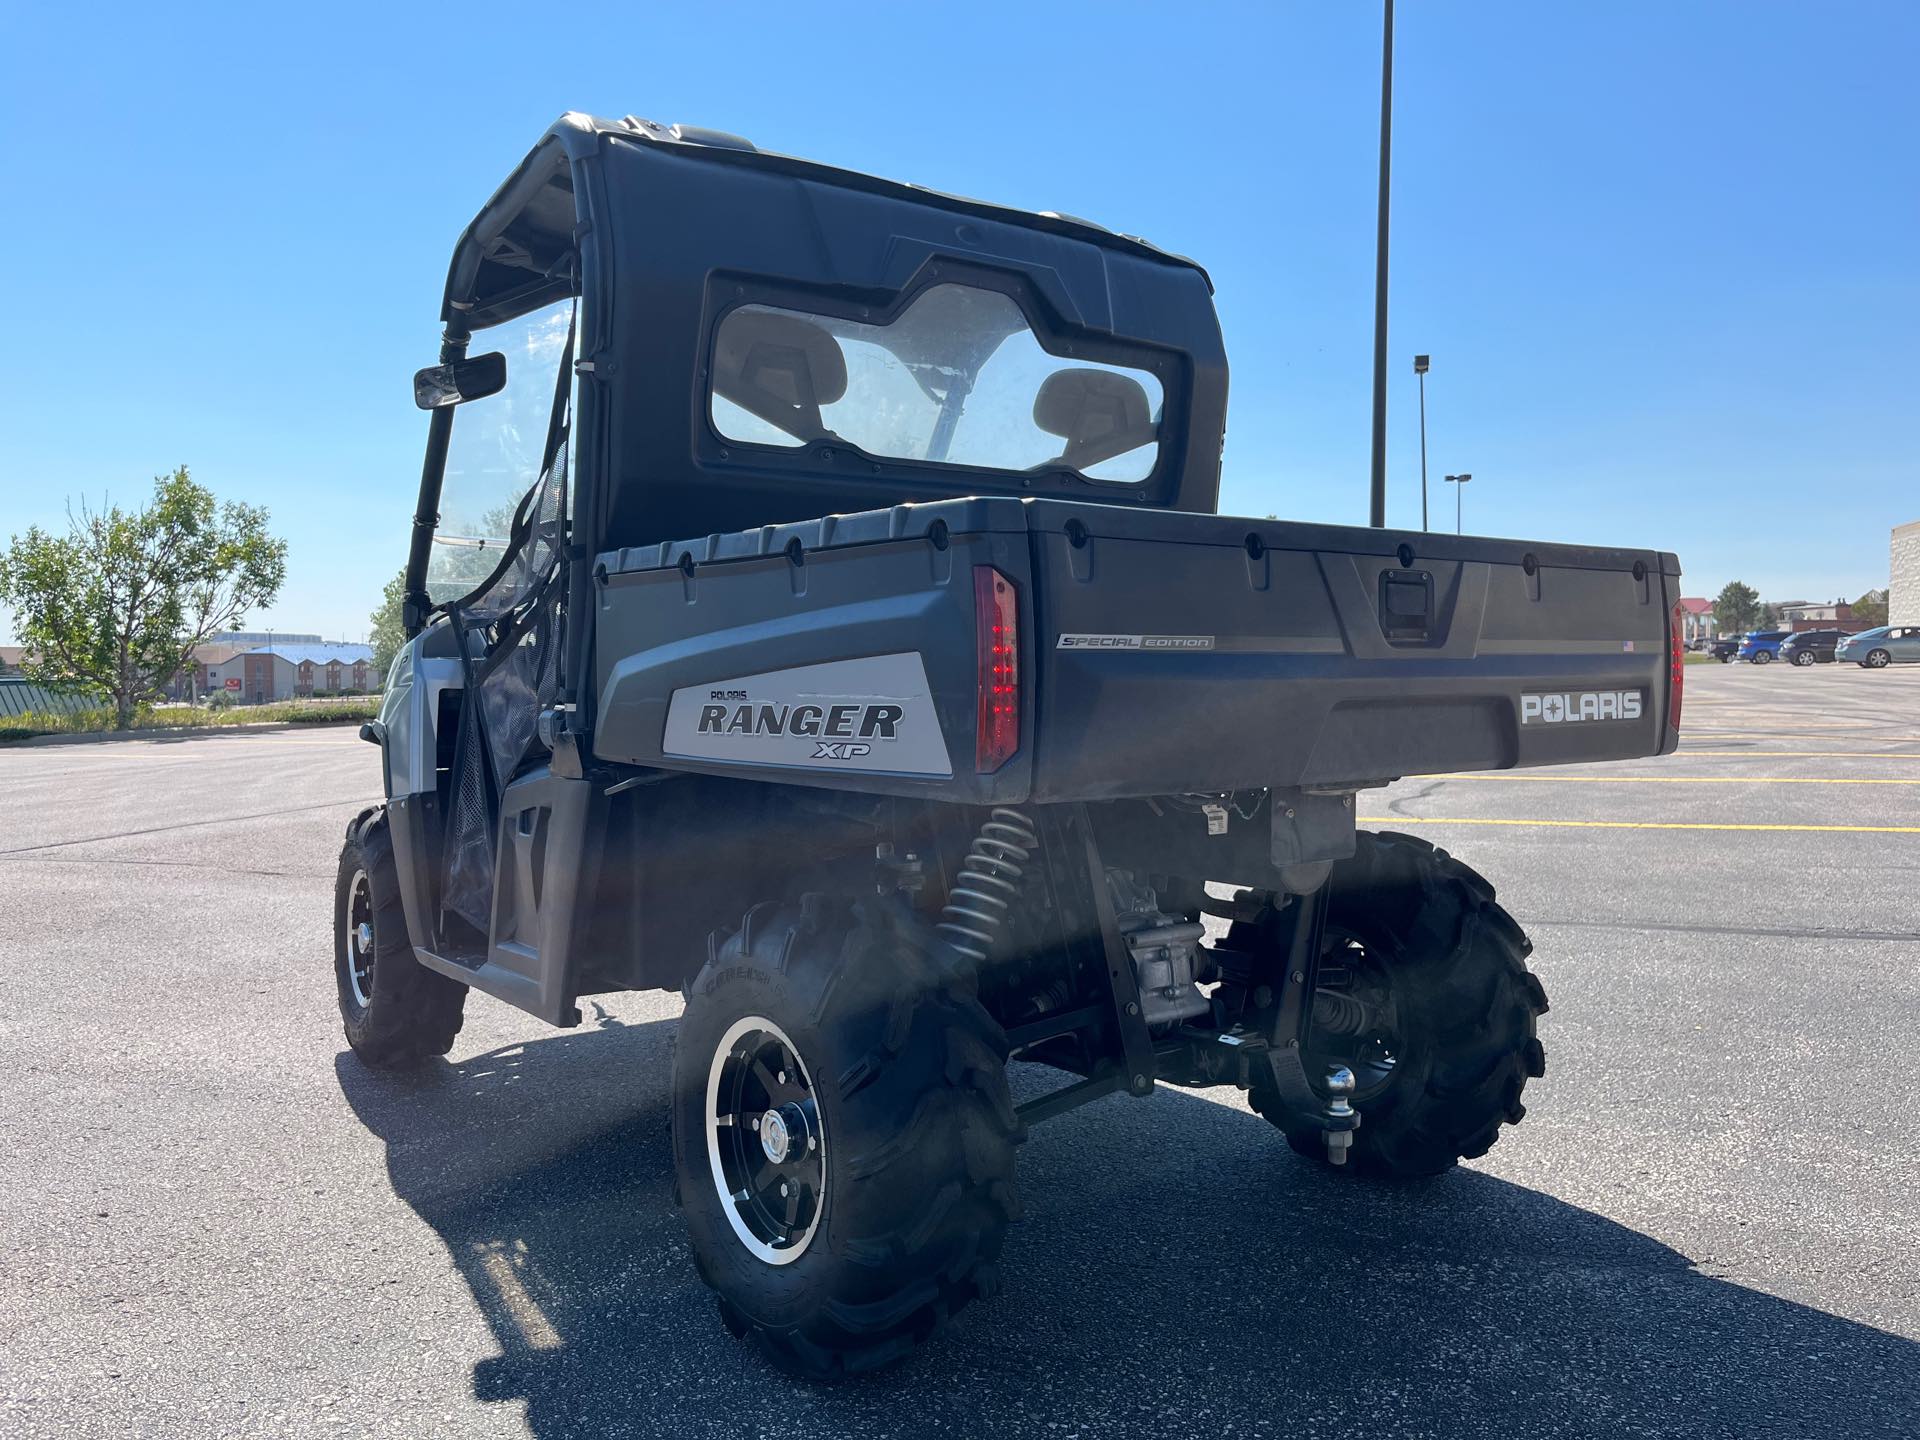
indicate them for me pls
(1459, 483)
(1420, 369)
(1378, 507)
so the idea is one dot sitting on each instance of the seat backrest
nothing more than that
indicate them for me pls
(779, 367)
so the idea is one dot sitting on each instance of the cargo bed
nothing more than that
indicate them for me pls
(1159, 652)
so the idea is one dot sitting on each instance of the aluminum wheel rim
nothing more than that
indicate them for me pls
(1878, 660)
(359, 944)
(766, 1143)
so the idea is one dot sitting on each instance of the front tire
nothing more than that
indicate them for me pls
(395, 1010)
(1441, 967)
(871, 1202)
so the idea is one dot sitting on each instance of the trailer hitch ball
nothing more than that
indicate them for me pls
(1342, 1118)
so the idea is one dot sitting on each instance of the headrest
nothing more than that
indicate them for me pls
(779, 367)
(1098, 413)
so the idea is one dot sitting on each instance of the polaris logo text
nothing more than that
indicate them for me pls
(1576, 707)
(868, 722)
(1136, 642)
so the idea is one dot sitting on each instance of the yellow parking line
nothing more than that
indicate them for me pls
(1670, 779)
(1418, 820)
(1725, 736)
(1683, 751)
(1769, 732)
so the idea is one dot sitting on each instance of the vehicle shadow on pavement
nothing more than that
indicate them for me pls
(1178, 1272)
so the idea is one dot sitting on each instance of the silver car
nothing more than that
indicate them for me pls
(1887, 645)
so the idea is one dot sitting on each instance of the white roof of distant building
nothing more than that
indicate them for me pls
(325, 652)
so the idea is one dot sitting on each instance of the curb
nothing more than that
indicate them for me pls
(173, 732)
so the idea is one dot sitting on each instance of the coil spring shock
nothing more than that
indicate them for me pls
(988, 883)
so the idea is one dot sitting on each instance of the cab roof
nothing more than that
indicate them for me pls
(517, 252)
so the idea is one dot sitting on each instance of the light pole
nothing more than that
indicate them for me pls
(1420, 369)
(1377, 497)
(1461, 482)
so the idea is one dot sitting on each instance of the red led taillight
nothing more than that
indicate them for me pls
(996, 618)
(1677, 656)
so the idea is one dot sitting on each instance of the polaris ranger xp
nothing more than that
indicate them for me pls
(817, 606)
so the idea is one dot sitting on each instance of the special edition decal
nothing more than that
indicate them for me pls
(874, 713)
(1135, 642)
(1576, 707)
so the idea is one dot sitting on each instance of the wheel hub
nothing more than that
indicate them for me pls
(776, 1136)
(1356, 1017)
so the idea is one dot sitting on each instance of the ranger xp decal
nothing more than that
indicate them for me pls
(1574, 707)
(1136, 642)
(874, 713)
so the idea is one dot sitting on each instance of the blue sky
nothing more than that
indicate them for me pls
(1666, 257)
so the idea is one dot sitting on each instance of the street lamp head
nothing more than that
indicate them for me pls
(1459, 479)
(1420, 364)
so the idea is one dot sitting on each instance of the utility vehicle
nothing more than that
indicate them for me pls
(817, 606)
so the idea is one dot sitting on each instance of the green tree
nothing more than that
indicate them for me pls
(1870, 610)
(118, 602)
(1737, 610)
(388, 633)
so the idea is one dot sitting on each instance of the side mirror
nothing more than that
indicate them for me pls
(474, 378)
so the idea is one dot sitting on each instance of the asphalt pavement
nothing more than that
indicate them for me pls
(215, 1222)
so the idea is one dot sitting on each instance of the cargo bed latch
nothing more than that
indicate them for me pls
(1406, 606)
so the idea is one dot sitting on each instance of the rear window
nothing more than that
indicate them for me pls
(958, 377)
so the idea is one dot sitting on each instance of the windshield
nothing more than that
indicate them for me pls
(958, 376)
(495, 455)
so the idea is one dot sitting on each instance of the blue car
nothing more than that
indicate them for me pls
(1878, 648)
(1762, 647)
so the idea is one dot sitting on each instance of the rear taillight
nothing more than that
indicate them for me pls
(996, 618)
(1677, 656)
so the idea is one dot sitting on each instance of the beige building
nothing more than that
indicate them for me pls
(291, 672)
(1903, 600)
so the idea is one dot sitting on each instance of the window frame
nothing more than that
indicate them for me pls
(567, 401)
(728, 292)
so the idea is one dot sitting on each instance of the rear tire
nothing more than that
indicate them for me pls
(1763, 657)
(1465, 1011)
(900, 1076)
(396, 1011)
(1877, 660)
(1804, 657)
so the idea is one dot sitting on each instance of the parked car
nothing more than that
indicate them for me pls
(1878, 648)
(1760, 647)
(1724, 648)
(1811, 647)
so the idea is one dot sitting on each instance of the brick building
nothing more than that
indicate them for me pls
(1797, 615)
(286, 672)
